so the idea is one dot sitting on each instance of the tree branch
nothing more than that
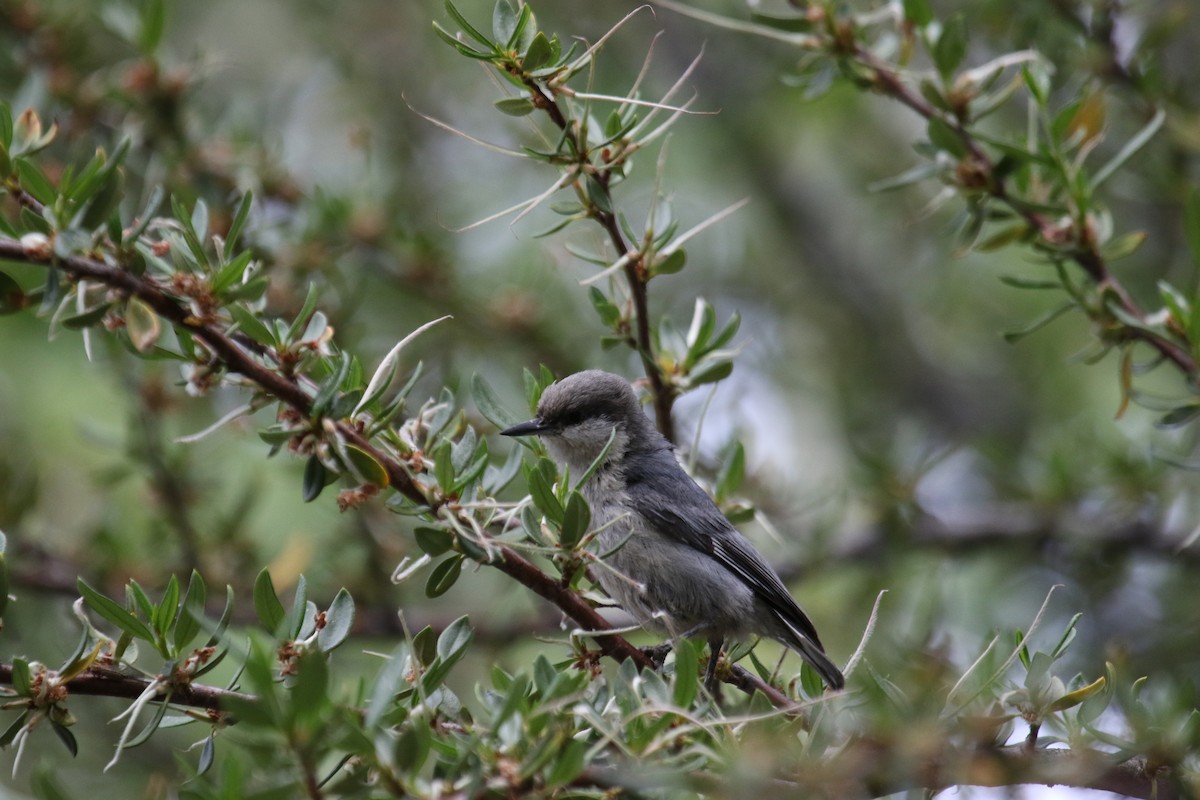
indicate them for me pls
(104, 682)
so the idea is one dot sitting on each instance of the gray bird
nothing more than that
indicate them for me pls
(675, 562)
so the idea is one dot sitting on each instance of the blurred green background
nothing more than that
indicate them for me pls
(895, 440)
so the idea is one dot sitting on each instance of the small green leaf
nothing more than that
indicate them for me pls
(951, 45)
(452, 644)
(251, 325)
(577, 517)
(1039, 323)
(468, 28)
(1123, 245)
(687, 672)
(1076, 697)
(1178, 417)
(488, 404)
(433, 541)
(918, 12)
(85, 320)
(540, 478)
(944, 137)
(113, 611)
(567, 763)
(314, 478)
(504, 20)
(339, 621)
(66, 737)
(153, 19)
(515, 106)
(22, 681)
(367, 466)
(35, 182)
(188, 623)
(266, 603)
(673, 263)
(239, 222)
(299, 611)
(443, 576)
(207, 754)
(12, 299)
(538, 54)
(610, 315)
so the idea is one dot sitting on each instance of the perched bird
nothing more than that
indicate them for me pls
(673, 560)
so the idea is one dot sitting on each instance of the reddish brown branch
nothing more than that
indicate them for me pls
(1089, 259)
(102, 682)
(635, 274)
(239, 360)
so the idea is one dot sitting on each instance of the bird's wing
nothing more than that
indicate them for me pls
(690, 516)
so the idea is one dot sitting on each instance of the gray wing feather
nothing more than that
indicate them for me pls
(690, 516)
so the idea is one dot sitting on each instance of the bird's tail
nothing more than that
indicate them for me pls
(815, 655)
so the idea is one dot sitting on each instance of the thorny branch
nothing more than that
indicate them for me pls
(238, 359)
(635, 271)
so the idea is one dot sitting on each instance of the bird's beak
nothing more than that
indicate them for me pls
(530, 428)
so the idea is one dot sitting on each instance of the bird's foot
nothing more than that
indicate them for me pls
(658, 654)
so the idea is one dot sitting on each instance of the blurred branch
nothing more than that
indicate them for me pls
(1014, 528)
(868, 768)
(105, 682)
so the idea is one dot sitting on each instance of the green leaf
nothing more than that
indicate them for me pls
(266, 603)
(35, 182)
(1123, 245)
(609, 314)
(539, 53)
(443, 576)
(67, 738)
(295, 616)
(944, 137)
(1039, 323)
(452, 644)
(239, 222)
(339, 621)
(188, 623)
(22, 681)
(515, 106)
(13, 729)
(567, 763)
(918, 12)
(12, 299)
(687, 673)
(367, 466)
(488, 404)
(314, 478)
(540, 478)
(951, 45)
(251, 325)
(469, 29)
(229, 278)
(1178, 417)
(577, 517)
(433, 541)
(153, 19)
(504, 21)
(113, 611)
(673, 263)
(166, 612)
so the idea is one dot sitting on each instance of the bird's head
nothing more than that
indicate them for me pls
(577, 415)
